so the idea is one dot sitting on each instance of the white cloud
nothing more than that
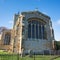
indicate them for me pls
(45, 13)
(11, 22)
(56, 26)
(58, 22)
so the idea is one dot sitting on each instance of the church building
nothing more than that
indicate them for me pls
(33, 31)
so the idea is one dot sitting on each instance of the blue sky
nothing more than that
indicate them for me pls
(49, 7)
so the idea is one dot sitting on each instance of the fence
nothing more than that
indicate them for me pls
(51, 54)
(18, 57)
(34, 57)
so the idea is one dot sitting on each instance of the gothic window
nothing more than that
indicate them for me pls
(29, 31)
(40, 37)
(33, 34)
(36, 29)
(42, 31)
(52, 33)
(23, 30)
(7, 39)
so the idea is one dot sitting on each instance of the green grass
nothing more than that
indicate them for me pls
(36, 58)
(39, 57)
(16, 57)
(4, 52)
(57, 58)
(7, 56)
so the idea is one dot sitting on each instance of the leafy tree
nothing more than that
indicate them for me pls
(57, 45)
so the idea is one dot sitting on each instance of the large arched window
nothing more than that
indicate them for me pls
(36, 29)
(7, 39)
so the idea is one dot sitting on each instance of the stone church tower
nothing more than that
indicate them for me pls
(32, 32)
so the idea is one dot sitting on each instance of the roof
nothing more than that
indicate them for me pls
(30, 12)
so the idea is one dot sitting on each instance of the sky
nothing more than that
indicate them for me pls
(49, 7)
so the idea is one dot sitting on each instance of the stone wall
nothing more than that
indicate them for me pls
(37, 45)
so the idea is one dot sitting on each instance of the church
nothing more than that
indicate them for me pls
(32, 31)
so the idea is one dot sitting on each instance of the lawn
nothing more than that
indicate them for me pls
(38, 57)
(7, 56)
(57, 58)
(16, 57)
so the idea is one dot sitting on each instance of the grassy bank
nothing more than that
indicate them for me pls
(57, 58)
(17, 57)
(8, 56)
